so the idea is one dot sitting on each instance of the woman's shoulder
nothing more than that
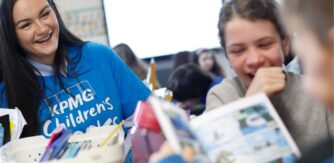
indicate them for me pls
(227, 84)
(294, 79)
(295, 94)
(96, 48)
(93, 51)
(228, 90)
(94, 45)
(225, 92)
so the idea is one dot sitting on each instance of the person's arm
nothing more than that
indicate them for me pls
(225, 92)
(269, 80)
(213, 100)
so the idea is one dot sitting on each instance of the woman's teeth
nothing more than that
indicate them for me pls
(44, 40)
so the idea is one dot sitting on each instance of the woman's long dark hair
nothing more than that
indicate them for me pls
(21, 86)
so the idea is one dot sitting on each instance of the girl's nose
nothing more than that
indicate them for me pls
(41, 29)
(254, 58)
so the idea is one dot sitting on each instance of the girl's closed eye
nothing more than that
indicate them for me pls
(236, 51)
(265, 45)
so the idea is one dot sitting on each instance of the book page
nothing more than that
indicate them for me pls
(248, 130)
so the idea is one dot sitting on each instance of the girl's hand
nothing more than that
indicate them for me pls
(269, 80)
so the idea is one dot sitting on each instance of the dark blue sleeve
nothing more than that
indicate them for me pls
(175, 158)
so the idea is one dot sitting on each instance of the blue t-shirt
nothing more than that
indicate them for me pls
(104, 92)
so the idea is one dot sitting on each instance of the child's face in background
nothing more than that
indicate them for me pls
(317, 61)
(252, 45)
(37, 29)
(205, 61)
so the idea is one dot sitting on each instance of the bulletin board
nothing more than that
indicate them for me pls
(85, 18)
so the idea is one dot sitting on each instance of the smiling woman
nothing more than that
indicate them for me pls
(37, 30)
(55, 78)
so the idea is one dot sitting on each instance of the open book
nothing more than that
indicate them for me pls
(248, 130)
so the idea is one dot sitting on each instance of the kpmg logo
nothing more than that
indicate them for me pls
(80, 93)
(76, 107)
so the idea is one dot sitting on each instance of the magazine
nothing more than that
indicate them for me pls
(248, 130)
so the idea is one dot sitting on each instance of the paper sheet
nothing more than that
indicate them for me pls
(17, 121)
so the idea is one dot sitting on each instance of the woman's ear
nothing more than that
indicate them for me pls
(286, 45)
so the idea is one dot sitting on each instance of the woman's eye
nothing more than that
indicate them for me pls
(24, 26)
(45, 14)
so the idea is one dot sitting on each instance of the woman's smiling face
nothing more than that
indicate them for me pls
(37, 29)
